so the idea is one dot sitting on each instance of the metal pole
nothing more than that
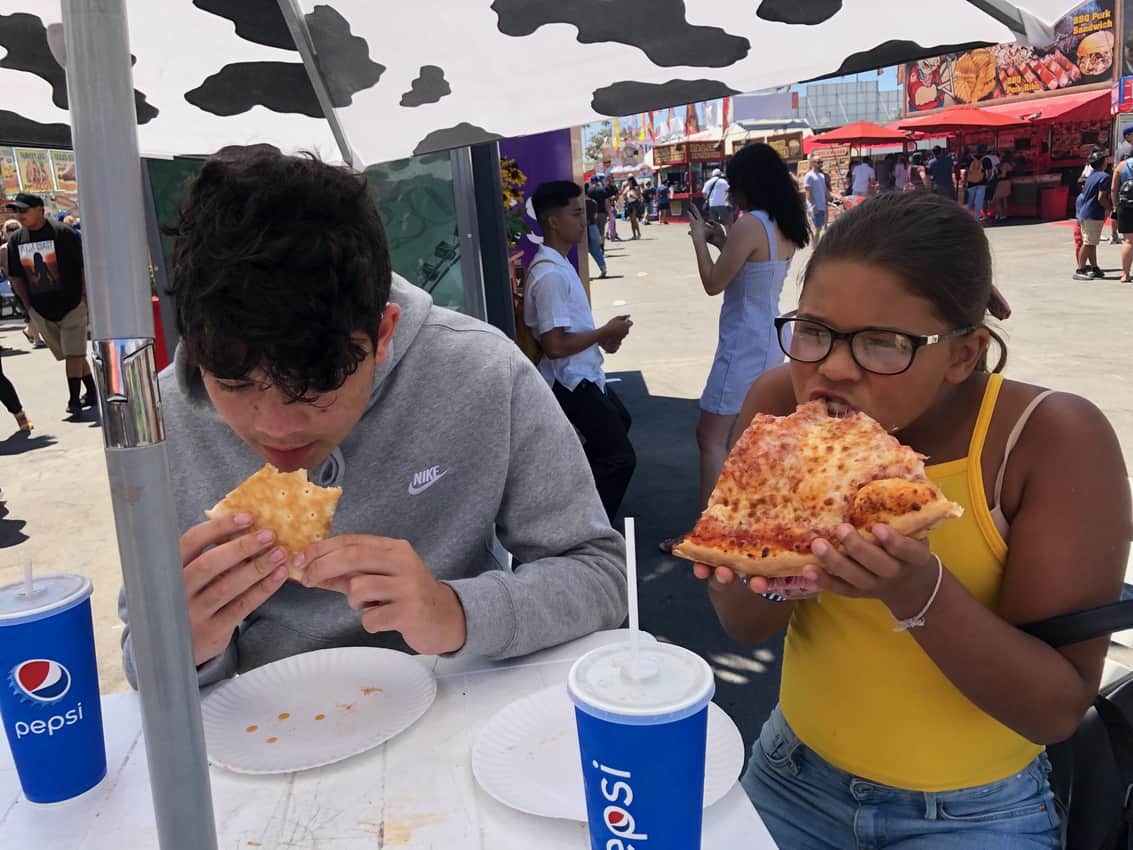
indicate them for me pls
(101, 93)
(468, 232)
(297, 24)
(493, 237)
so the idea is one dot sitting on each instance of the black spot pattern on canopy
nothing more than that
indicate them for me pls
(805, 12)
(258, 21)
(454, 137)
(343, 59)
(280, 86)
(895, 53)
(629, 97)
(20, 131)
(24, 37)
(657, 27)
(429, 87)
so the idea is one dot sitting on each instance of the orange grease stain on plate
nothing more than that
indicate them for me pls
(346, 706)
(272, 740)
(284, 716)
(366, 692)
(252, 728)
(320, 717)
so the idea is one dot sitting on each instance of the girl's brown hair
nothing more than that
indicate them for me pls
(937, 248)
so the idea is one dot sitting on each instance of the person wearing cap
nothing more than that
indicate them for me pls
(716, 197)
(45, 265)
(1093, 206)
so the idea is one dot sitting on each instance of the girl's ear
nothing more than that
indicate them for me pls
(967, 353)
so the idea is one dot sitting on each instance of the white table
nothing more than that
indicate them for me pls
(415, 791)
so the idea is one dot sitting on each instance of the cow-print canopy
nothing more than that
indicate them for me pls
(414, 77)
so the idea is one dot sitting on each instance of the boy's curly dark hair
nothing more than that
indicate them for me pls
(278, 262)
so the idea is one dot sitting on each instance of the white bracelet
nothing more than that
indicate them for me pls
(918, 619)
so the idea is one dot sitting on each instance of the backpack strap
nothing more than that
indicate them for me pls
(1082, 625)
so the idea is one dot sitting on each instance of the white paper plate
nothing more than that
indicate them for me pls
(527, 756)
(314, 709)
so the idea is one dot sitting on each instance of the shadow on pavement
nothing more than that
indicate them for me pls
(20, 442)
(11, 530)
(674, 604)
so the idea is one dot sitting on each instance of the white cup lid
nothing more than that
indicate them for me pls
(671, 682)
(50, 595)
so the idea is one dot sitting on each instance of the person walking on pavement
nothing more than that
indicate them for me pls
(716, 198)
(1124, 151)
(1121, 193)
(45, 265)
(1093, 206)
(593, 236)
(11, 401)
(631, 197)
(612, 209)
(664, 206)
(817, 198)
(597, 193)
(755, 254)
(558, 312)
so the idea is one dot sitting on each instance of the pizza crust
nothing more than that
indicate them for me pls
(299, 512)
(777, 564)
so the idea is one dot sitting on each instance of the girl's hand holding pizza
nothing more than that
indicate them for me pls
(897, 570)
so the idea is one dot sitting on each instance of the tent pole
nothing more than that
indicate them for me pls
(297, 24)
(103, 121)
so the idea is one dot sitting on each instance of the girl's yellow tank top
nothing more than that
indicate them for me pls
(869, 700)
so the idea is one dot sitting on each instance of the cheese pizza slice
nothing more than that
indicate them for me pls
(791, 479)
(299, 512)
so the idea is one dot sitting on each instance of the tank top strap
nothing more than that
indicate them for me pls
(772, 237)
(983, 419)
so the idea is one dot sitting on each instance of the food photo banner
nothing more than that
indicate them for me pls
(1083, 53)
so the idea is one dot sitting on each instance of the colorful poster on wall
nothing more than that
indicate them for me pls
(63, 165)
(8, 170)
(1082, 53)
(35, 170)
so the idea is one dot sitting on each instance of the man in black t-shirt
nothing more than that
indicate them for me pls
(596, 192)
(45, 265)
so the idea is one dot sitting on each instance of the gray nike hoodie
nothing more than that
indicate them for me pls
(461, 443)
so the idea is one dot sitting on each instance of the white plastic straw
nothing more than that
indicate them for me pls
(29, 588)
(631, 586)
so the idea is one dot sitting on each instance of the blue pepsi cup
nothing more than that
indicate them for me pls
(642, 732)
(49, 695)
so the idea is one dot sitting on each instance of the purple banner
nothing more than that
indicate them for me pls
(541, 158)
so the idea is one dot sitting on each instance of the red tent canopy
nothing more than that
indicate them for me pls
(960, 118)
(1080, 106)
(858, 133)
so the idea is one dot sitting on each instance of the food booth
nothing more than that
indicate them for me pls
(686, 165)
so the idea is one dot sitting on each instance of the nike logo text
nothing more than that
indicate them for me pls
(425, 479)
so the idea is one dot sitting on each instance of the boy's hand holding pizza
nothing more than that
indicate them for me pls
(388, 582)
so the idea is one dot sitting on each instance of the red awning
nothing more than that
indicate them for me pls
(959, 118)
(1081, 106)
(859, 133)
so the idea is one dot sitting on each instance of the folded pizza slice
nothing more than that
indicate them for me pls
(791, 479)
(299, 512)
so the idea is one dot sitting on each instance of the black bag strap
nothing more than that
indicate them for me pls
(1082, 625)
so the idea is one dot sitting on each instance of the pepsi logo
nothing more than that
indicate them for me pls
(614, 817)
(42, 680)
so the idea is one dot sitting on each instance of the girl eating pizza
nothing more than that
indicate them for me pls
(931, 735)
